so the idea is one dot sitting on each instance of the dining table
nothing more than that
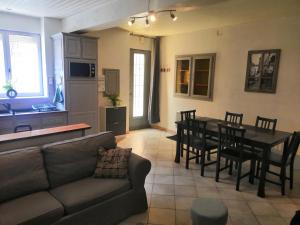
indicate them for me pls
(258, 138)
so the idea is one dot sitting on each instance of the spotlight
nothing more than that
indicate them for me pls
(174, 18)
(152, 17)
(147, 22)
(131, 21)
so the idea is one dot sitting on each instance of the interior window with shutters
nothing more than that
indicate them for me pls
(21, 64)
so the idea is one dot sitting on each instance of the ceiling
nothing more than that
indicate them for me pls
(201, 14)
(50, 8)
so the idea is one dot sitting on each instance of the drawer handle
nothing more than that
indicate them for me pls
(116, 123)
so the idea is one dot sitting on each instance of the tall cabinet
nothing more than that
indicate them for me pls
(80, 93)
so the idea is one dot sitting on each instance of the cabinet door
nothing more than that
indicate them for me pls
(89, 48)
(183, 76)
(202, 76)
(72, 47)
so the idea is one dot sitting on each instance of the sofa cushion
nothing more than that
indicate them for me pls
(72, 160)
(87, 192)
(112, 163)
(35, 209)
(21, 172)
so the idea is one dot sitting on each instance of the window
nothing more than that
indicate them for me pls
(21, 63)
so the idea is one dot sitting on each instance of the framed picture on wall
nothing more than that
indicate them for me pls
(262, 70)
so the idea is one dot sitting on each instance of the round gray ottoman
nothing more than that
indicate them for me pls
(209, 211)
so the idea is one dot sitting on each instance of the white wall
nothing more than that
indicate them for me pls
(114, 52)
(231, 46)
(9, 21)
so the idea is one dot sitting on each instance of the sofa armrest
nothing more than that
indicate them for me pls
(139, 167)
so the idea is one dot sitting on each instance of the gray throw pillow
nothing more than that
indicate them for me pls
(112, 163)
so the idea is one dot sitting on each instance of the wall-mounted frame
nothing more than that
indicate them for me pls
(262, 70)
(194, 76)
(112, 81)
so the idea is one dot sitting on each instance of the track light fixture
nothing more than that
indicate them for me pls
(152, 16)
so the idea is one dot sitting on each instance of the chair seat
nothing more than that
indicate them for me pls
(235, 154)
(83, 193)
(173, 137)
(39, 208)
(275, 158)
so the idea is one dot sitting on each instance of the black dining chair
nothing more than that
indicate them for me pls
(234, 118)
(266, 123)
(184, 115)
(282, 161)
(231, 147)
(197, 143)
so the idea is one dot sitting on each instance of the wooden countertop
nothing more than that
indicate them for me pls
(43, 132)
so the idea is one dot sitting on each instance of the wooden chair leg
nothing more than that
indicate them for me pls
(252, 171)
(208, 156)
(181, 150)
(187, 160)
(218, 168)
(239, 164)
(230, 167)
(282, 178)
(257, 169)
(202, 162)
(197, 156)
(291, 176)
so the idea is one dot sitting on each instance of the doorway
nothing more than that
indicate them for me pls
(139, 88)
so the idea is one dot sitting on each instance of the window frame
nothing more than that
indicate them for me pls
(7, 63)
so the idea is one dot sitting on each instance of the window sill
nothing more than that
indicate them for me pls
(32, 97)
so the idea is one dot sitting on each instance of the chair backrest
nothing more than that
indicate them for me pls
(190, 114)
(234, 118)
(266, 123)
(22, 128)
(290, 153)
(231, 137)
(196, 129)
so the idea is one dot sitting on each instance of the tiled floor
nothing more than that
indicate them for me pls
(171, 188)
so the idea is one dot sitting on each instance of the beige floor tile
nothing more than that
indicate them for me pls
(183, 190)
(163, 179)
(163, 189)
(227, 193)
(183, 172)
(208, 192)
(162, 216)
(237, 207)
(163, 171)
(138, 218)
(183, 180)
(271, 220)
(262, 209)
(183, 217)
(163, 201)
(243, 219)
(286, 210)
(184, 202)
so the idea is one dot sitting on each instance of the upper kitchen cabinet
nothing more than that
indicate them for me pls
(78, 47)
(194, 76)
(89, 48)
(72, 46)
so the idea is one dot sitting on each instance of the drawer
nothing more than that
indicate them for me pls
(117, 114)
(117, 128)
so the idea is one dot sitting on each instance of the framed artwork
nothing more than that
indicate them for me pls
(262, 70)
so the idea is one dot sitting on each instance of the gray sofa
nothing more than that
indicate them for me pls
(54, 184)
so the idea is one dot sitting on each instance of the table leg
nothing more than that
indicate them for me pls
(264, 167)
(177, 157)
(83, 132)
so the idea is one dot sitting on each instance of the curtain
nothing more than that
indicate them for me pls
(153, 111)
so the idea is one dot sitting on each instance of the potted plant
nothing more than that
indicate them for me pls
(10, 91)
(114, 99)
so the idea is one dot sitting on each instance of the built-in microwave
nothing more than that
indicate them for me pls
(82, 69)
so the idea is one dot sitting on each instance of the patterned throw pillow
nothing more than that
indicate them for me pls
(112, 163)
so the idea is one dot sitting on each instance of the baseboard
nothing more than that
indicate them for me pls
(162, 128)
